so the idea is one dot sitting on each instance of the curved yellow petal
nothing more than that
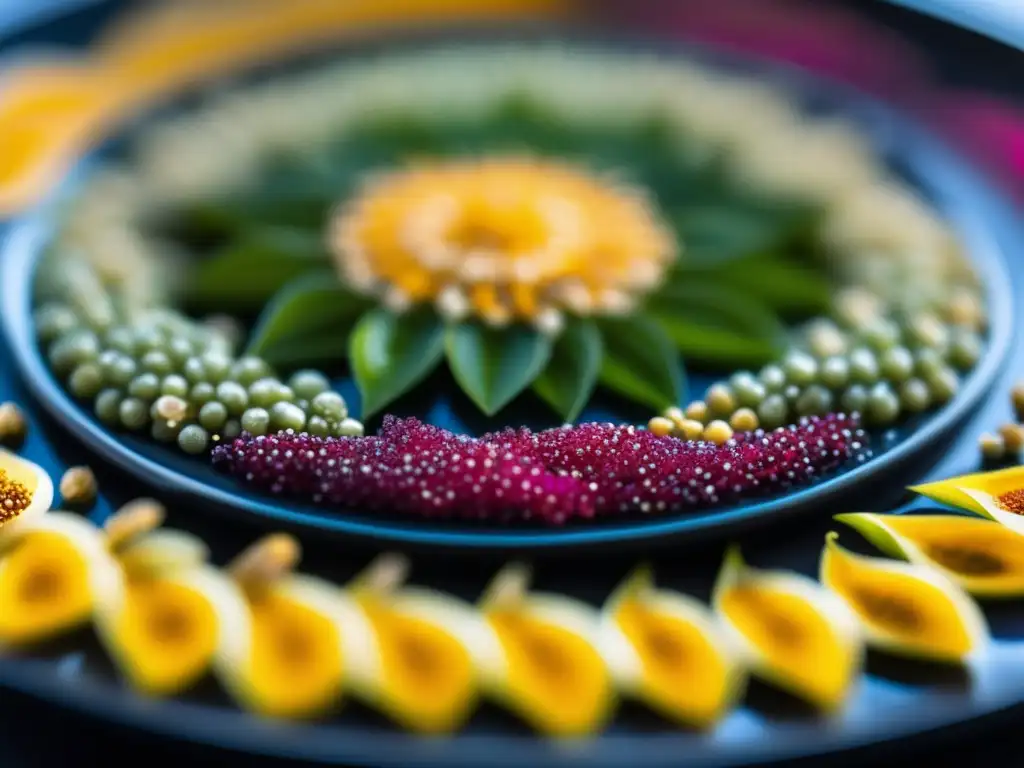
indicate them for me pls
(47, 578)
(26, 492)
(1002, 503)
(954, 492)
(668, 651)
(984, 557)
(542, 658)
(293, 662)
(793, 633)
(905, 608)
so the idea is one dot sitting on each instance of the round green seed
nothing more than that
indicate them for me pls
(773, 378)
(121, 339)
(133, 413)
(213, 416)
(148, 339)
(863, 366)
(748, 390)
(73, 349)
(349, 428)
(165, 431)
(308, 384)
(801, 369)
(234, 397)
(329, 406)
(53, 321)
(174, 384)
(246, 370)
(825, 339)
(202, 393)
(720, 399)
(773, 411)
(263, 393)
(180, 350)
(157, 361)
(287, 416)
(943, 384)
(145, 386)
(193, 439)
(896, 364)
(883, 405)
(814, 401)
(86, 381)
(965, 349)
(926, 330)
(915, 396)
(231, 430)
(835, 372)
(881, 334)
(217, 366)
(318, 427)
(194, 370)
(792, 394)
(108, 405)
(854, 399)
(256, 421)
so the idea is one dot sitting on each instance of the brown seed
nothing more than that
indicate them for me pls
(13, 426)
(78, 487)
(1017, 396)
(1013, 437)
(744, 420)
(992, 447)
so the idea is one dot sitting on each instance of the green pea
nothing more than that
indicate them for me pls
(835, 372)
(157, 362)
(349, 428)
(180, 350)
(263, 393)
(308, 384)
(165, 431)
(926, 330)
(943, 384)
(881, 334)
(217, 366)
(53, 321)
(232, 429)
(73, 349)
(145, 386)
(748, 390)
(883, 404)
(773, 378)
(897, 364)
(813, 401)
(213, 416)
(148, 339)
(928, 362)
(120, 339)
(964, 349)
(915, 395)
(863, 366)
(194, 370)
(329, 406)
(287, 416)
(801, 369)
(256, 421)
(86, 381)
(175, 384)
(773, 411)
(854, 399)
(318, 427)
(246, 370)
(234, 397)
(134, 413)
(108, 405)
(193, 439)
(202, 393)
(792, 394)
(118, 369)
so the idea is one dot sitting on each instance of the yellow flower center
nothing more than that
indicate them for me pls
(14, 497)
(503, 239)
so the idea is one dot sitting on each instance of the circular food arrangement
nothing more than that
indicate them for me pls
(517, 295)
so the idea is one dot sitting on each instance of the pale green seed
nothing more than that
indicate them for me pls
(881, 334)
(927, 362)
(86, 381)
(897, 364)
(133, 413)
(801, 369)
(120, 338)
(964, 349)
(180, 350)
(217, 366)
(748, 390)
(157, 361)
(287, 416)
(883, 404)
(773, 378)
(329, 406)
(175, 384)
(148, 339)
(145, 386)
(773, 411)
(118, 369)
(854, 399)
(194, 370)
(308, 384)
(915, 395)
(234, 397)
(926, 330)
(213, 416)
(202, 393)
(814, 401)
(863, 366)
(246, 370)
(943, 384)
(108, 405)
(73, 349)
(256, 421)
(232, 429)
(263, 393)
(349, 428)
(193, 439)
(165, 431)
(318, 427)
(835, 372)
(53, 321)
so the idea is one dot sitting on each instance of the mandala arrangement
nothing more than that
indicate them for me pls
(539, 232)
(293, 646)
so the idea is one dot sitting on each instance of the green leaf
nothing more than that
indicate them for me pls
(714, 324)
(390, 354)
(571, 375)
(307, 321)
(494, 365)
(640, 362)
(246, 274)
(781, 284)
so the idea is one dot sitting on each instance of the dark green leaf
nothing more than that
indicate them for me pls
(307, 321)
(569, 379)
(494, 365)
(390, 354)
(244, 275)
(717, 325)
(781, 284)
(640, 362)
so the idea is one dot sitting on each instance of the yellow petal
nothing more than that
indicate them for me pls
(544, 660)
(46, 578)
(793, 633)
(982, 556)
(26, 492)
(954, 491)
(667, 650)
(418, 669)
(1003, 504)
(903, 607)
(292, 662)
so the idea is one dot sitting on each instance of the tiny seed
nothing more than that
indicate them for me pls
(992, 447)
(1013, 437)
(78, 487)
(13, 425)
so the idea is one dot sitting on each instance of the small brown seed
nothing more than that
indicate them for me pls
(1013, 437)
(992, 447)
(1017, 396)
(78, 487)
(744, 420)
(13, 426)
